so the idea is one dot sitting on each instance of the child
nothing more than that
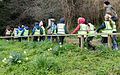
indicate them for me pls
(42, 31)
(91, 32)
(26, 32)
(82, 28)
(36, 31)
(50, 22)
(54, 31)
(106, 27)
(62, 29)
(20, 32)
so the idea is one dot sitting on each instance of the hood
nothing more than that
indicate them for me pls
(81, 20)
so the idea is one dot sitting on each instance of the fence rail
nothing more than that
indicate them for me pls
(4, 37)
(81, 37)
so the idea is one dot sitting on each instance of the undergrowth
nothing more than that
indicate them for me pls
(47, 58)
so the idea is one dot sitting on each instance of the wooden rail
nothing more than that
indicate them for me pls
(81, 37)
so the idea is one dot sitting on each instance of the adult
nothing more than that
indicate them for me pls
(110, 10)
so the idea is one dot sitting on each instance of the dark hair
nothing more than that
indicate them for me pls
(106, 2)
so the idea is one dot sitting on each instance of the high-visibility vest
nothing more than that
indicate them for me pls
(61, 29)
(54, 29)
(91, 30)
(26, 32)
(83, 29)
(37, 32)
(19, 32)
(114, 25)
(108, 29)
(43, 30)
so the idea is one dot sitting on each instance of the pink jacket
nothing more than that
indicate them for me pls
(80, 21)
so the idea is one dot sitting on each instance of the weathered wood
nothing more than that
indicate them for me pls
(28, 39)
(82, 41)
(81, 38)
(109, 42)
(79, 41)
(3, 37)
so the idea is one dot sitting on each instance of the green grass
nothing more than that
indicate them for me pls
(46, 58)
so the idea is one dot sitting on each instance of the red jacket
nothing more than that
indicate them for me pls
(76, 29)
(81, 20)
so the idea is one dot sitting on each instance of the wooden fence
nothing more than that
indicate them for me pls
(80, 37)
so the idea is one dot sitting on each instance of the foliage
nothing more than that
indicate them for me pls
(14, 12)
(4, 15)
(47, 58)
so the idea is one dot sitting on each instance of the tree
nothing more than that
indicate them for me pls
(4, 15)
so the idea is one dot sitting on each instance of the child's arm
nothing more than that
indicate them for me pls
(33, 31)
(101, 27)
(76, 30)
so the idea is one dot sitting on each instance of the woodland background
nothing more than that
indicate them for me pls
(17, 12)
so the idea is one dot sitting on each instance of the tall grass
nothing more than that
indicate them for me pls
(47, 58)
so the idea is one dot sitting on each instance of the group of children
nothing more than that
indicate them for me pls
(107, 27)
(84, 27)
(39, 29)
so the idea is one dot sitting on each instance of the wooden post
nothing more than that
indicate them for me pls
(82, 41)
(39, 38)
(21, 39)
(32, 38)
(51, 38)
(109, 42)
(79, 41)
(11, 38)
(28, 38)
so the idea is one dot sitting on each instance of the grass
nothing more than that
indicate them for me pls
(47, 58)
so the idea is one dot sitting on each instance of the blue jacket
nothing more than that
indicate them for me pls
(26, 27)
(35, 27)
(20, 29)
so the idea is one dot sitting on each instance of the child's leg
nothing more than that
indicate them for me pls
(43, 38)
(49, 38)
(19, 39)
(61, 39)
(89, 44)
(35, 38)
(105, 41)
(115, 44)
